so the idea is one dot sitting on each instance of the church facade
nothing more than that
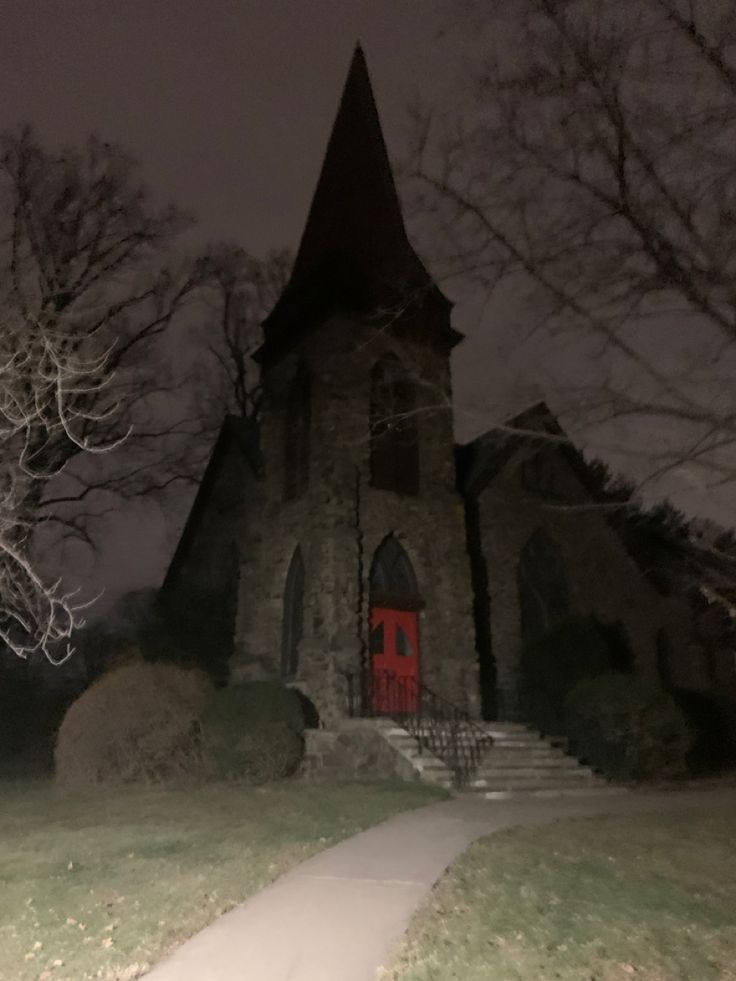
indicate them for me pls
(345, 544)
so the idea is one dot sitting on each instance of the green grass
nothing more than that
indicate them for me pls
(101, 886)
(651, 897)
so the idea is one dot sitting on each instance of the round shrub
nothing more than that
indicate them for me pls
(253, 731)
(712, 717)
(137, 723)
(627, 728)
(576, 648)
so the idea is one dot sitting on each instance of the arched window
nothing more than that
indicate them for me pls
(296, 435)
(293, 622)
(394, 431)
(544, 597)
(393, 582)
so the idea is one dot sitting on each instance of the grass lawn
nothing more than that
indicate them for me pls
(603, 899)
(102, 886)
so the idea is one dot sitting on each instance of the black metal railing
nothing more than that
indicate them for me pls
(439, 727)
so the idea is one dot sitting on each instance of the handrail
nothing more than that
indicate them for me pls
(440, 727)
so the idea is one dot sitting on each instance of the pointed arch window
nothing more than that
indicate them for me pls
(544, 595)
(293, 622)
(296, 435)
(392, 580)
(394, 432)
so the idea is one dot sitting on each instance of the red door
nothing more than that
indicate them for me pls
(394, 660)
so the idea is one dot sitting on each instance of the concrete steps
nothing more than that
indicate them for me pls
(425, 765)
(520, 762)
(602, 790)
(533, 758)
(517, 761)
(557, 772)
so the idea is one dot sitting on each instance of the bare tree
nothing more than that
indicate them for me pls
(47, 393)
(240, 291)
(87, 295)
(591, 168)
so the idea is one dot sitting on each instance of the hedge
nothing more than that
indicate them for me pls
(626, 728)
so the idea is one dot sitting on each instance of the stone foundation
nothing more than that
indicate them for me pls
(353, 751)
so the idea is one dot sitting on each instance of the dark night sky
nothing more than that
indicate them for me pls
(228, 105)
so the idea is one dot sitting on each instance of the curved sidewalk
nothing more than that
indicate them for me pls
(337, 916)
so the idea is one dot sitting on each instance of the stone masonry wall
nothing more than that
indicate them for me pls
(341, 520)
(604, 580)
(352, 751)
(201, 594)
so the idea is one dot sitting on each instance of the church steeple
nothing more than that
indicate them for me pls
(354, 253)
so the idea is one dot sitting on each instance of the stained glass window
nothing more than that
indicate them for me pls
(403, 644)
(392, 577)
(376, 640)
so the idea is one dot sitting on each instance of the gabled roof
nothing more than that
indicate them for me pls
(482, 459)
(235, 432)
(354, 252)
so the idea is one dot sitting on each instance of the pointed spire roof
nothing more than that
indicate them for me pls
(354, 253)
(355, 208)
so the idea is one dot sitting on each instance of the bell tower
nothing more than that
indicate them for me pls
(353, 558)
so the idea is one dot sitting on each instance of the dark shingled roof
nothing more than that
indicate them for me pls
(235, 431)
(354, 254)
(482, 459)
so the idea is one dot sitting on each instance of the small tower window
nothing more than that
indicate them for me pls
(394, 431)
(293, 622)
(296, 435)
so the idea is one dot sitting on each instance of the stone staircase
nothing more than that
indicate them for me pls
(425, 765)
(520, 762)
(516, 762)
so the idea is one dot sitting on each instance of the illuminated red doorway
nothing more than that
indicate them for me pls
(394, 661)
(394, 631)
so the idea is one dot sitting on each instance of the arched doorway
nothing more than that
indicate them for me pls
(394, 631)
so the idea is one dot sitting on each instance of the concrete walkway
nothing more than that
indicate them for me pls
(337, 916)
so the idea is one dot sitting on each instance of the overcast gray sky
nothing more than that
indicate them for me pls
(228, 105)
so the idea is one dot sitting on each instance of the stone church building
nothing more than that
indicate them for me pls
(344, 543)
